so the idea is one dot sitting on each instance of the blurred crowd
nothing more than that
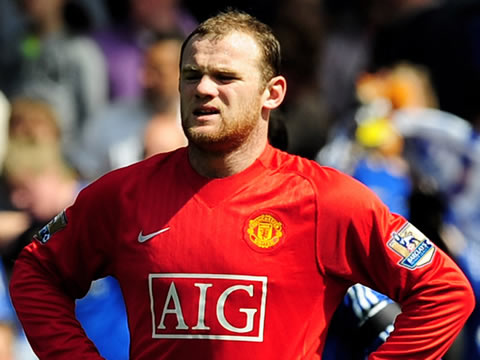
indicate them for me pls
(385, 90)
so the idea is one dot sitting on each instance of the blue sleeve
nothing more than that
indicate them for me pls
(346, 338)
(7, 314)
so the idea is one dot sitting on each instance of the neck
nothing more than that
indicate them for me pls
(220, 164)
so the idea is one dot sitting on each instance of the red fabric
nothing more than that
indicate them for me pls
(252, 265)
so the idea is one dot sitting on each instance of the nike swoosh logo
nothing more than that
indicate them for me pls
(142, 238)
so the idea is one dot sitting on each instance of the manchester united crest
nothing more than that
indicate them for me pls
(265, 231)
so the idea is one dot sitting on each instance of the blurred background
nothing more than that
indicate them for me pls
(384, 90)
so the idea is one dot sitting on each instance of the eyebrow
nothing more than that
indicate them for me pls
(217, 71)
(192, 68)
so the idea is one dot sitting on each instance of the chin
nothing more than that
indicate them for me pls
(202, 135)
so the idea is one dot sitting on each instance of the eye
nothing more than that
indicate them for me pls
(191, 75)
(225, 78)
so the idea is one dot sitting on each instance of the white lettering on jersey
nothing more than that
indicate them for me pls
(177, 310)
(201, 307)
(250, 312)
(208, 306)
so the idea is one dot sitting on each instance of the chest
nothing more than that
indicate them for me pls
(250, 233)
(219, 270)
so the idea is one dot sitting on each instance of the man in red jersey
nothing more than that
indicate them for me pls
(229, 248)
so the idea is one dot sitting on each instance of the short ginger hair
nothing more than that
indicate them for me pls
(231, 21)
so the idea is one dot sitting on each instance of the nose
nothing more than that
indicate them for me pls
(206, 87)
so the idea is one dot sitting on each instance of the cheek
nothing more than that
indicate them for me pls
(41, 202)
(41, 192)
(44, 189)
(20, 198)
(186, 93)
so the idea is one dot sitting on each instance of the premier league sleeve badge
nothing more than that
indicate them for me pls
(412, 246)
(56, 224)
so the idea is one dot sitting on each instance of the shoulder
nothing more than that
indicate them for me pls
(119, 117)
(85, 51)
(124, 110)
(79, 43)
(331, 187)
(318, 175)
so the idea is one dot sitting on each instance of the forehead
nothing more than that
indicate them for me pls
(236, 49)
(165, 53)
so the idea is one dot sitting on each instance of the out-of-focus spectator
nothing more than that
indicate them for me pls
(40, 184)
(379, 94)
(31, 121)
(399, 117)
(63, 67)
(7, 317)
(443, 37)
(381, 164)
(162, 134)
(351, 29)
(34, 121)
(133, 24)
(40, 181)
(361, 323)
(33, 189)
(345, 54)
(11, 28)
(115, 136)
(12, 222)
(43, 184)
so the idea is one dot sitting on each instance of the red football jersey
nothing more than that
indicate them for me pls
(248, 266)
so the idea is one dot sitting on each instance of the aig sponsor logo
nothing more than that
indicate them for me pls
(208, 306)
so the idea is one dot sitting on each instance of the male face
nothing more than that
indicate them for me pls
(160, 75)
(33, 192)
(222, 91)
(41, 9)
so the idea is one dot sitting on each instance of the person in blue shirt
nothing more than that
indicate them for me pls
(362, 322)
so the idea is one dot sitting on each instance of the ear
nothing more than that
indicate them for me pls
(275, 92)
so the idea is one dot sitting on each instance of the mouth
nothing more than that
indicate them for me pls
(205, 111)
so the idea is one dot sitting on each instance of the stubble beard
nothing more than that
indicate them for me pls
(231, 134)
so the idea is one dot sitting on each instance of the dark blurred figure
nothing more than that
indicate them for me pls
(345, 55)
(261, 9)
(11, 29)
(443, 37)
(299, 27)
